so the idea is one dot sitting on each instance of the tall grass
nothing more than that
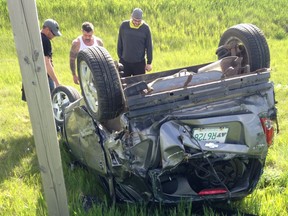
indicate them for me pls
(184, 33)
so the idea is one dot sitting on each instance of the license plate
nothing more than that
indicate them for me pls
(216, 134)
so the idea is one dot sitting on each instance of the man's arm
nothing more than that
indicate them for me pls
(99, 41)
(73, 55)
(50, 70)
(149, 47)
(119, 43)
(149, 51)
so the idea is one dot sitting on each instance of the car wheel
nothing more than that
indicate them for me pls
(100, 83)
(62, 96)
(246, 41)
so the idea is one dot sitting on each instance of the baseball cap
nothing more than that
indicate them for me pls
(53, 25)
(137, 13)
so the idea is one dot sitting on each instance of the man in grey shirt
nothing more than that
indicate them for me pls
(134, 41)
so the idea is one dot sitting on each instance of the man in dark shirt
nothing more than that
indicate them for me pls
(134, 41)
(50, 30)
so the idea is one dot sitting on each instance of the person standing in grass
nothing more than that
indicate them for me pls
(134, 41)
(50, 29)
(87, 39)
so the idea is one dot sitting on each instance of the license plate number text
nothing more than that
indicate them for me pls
(216, 134)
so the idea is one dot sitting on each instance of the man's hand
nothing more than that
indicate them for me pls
(57, 83)
(148, 67)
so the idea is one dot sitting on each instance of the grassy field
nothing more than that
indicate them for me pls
(184, 33)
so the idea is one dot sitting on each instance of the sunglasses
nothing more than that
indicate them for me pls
(52, 32)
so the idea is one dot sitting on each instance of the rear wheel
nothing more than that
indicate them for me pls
(100, 83)
(62, 96)
(246, 41)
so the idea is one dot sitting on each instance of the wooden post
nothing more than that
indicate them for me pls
(24, 20)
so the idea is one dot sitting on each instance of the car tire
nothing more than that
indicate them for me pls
(247, 41)
(62, 96)
(100, 83)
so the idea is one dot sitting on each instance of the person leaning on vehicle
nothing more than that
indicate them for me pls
(134, 41)
(50, 29)
(87, 39)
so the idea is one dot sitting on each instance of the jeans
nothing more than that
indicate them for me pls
(51, 84)
(132, 69)
(51, 87)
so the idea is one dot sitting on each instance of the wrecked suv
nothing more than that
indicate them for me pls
(195, 133)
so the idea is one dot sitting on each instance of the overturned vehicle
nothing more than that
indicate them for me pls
(195, 133)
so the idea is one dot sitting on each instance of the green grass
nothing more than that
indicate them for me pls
(184, 33)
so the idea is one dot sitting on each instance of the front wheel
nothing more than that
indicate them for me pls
(62, 96)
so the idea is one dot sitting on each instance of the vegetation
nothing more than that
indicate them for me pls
(184, 33)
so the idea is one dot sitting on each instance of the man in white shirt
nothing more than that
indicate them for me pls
(87, 39)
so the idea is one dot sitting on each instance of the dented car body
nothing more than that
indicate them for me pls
(194, 133)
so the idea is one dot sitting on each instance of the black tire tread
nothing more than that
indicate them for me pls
(254, 41)
(106, 81)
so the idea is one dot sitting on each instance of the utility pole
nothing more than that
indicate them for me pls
(24, 20)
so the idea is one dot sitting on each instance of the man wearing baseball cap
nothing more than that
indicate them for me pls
(50, 30)
(134, 43)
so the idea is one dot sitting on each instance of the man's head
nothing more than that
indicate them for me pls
(53, 27)
(87, 30)
(87, 26)
(137, 15)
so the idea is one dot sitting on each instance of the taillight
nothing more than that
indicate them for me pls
(212, 191)
(268, 128)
